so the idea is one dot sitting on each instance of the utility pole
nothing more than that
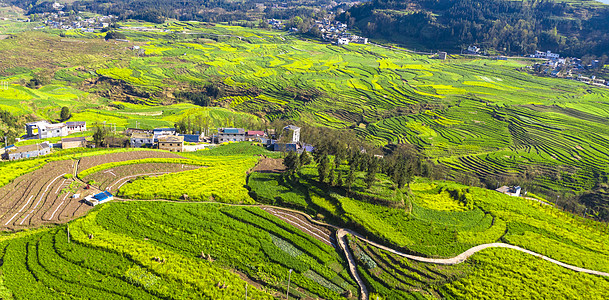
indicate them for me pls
(68, 233)
(246, 291)
(287, 294)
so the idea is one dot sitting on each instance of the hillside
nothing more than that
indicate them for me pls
(571, 28)
(487, 121)
(431, 239)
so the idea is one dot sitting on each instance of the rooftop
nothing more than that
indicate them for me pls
(164, 129)
(79, 123)
(29, 148)
(44, 122)
(74, 139)
(255, 132)
(142, 136)
(232, 130)
(291, 127)
(103, 196)
(171, 139)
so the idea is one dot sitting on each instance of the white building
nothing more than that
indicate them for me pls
(231, 135)
(44, 129)
(292, 133)
(510, 190)
(76, 127)
(473, 49)
(342, 41)
(548, 55)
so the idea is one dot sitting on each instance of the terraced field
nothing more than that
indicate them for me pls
(159, 250)
(477, 116)
(113, 179)
(41, 197)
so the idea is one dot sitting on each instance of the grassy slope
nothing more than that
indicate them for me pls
(437, 224)
(479, 116)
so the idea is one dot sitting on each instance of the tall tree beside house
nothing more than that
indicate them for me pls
(322, 168)
(65, 113)
(99, 135)
(291, 162)
(305, 158)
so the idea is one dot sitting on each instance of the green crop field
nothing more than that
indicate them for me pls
(492, 273)
(171, 251)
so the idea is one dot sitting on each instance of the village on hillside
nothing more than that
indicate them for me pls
(159, 138)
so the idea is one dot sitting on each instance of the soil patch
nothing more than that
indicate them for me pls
(270, 165)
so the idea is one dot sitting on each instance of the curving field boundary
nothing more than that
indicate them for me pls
(343, 244)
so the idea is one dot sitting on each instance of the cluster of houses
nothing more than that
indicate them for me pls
(336, 32)
(60, 20)
(289, 138)
(567, 67)
(160, 138)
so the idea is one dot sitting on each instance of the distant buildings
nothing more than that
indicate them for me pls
(29, 151)
(74, 142)
(141, 139)
(231, 135)
(44, 129)
(547, 55)
(254, 135)
(173, 143)
(157, 132)
(473, 50)
(76, 127)
(442, 55)
(510, 190)
(342, 41)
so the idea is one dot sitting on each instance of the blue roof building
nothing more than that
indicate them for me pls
(191, 138)
(102, 197)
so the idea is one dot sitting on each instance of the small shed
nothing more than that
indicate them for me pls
(510, 190)
(100, 198)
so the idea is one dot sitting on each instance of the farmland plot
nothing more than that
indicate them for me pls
(113, 179)
(43, 196)
(92, 161)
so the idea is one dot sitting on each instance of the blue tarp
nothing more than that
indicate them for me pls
(103, 196)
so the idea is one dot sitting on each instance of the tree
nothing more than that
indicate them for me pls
(322, 168)
(350, 178)
(371, 175)
(99, 135)
(291, 162)
(115, 35)
(65, 113)
(331, 176)
(339, 179)
(305, 158)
